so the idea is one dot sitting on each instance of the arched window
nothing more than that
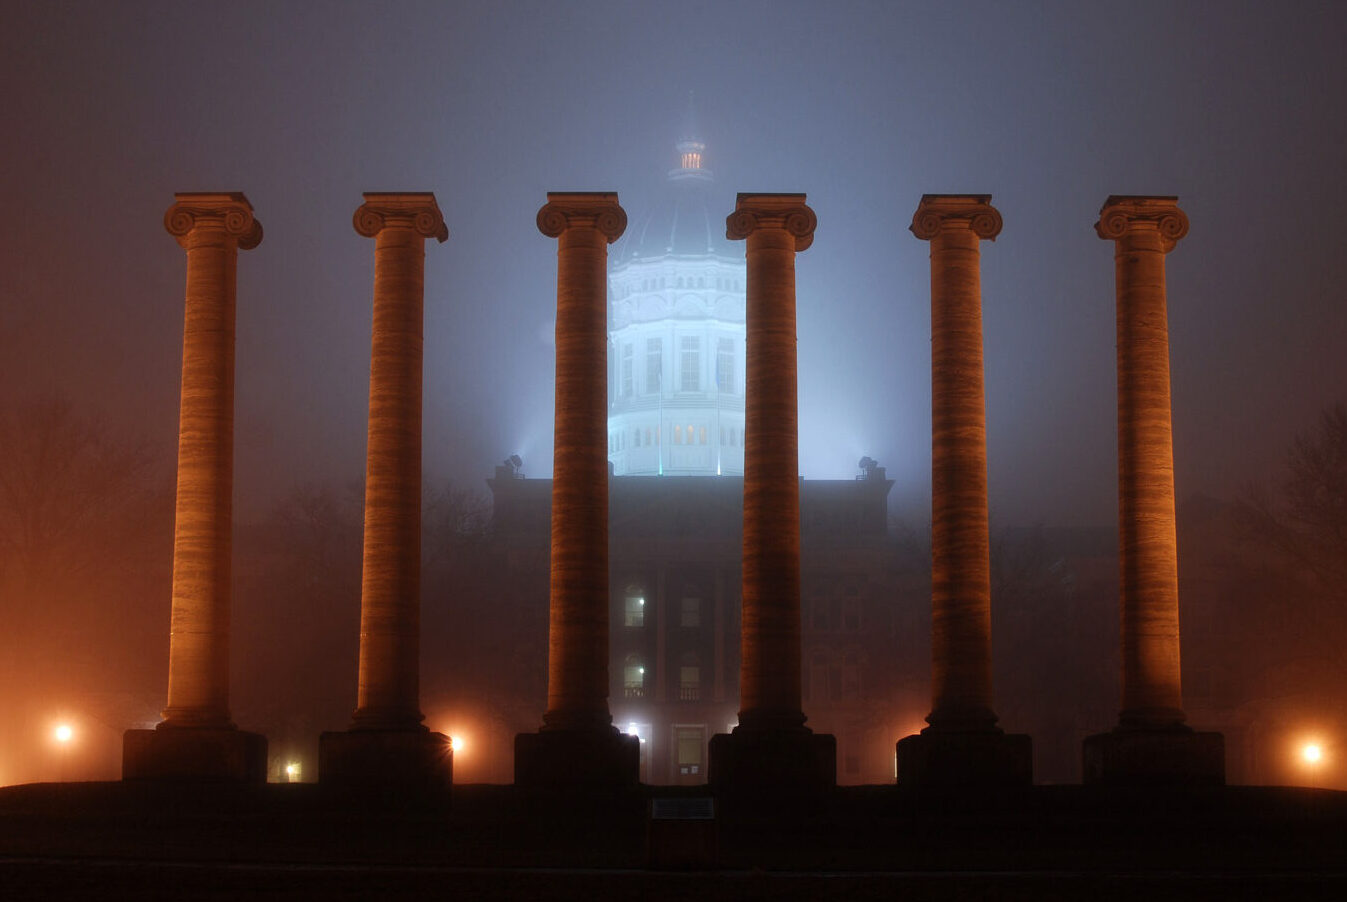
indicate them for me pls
(678, 434)
(701, 435)
(647, 436)
(636, 442)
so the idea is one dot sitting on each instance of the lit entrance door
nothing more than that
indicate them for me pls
(690, 754)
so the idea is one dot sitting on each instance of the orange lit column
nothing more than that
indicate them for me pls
(771, 749)
(390, 588)
(962, 742)
(577, 667)
(212, 228)
(776, 227)
(1143, 231)
(961, 609)
(1151, 739)
(197, 736)
(578, 744)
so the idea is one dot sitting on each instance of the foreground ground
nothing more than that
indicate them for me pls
(121, 841)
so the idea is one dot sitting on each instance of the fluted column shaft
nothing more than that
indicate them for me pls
(390, 590)
(961, 654)
(776, 227)
(211, 227)
(1144, 229)
(577, 669)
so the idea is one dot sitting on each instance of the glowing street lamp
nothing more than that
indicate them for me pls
(1312, 753)
(293, 772)
(63, 734)
(456, 743)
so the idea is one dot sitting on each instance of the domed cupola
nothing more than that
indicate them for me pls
(681, 223)
(676, 332)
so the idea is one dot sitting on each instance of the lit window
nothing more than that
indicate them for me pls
(634, 607)
(701, 435)
(678, 434)
(633, 677)
(725, 365)
(691, 363)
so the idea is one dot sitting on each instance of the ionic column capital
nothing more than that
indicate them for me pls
(415, 210)
(772, 211)
(227, 211)
(956, 211)
(1124, 214)
(582, 209)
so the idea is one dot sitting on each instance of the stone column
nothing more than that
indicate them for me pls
(962, 743)
(578, 744)
(197, 738)
(1151, 740)
(771, 746)
(387, 741)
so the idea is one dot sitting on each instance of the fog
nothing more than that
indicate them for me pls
(111, 108)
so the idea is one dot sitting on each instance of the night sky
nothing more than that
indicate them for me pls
(109, 108)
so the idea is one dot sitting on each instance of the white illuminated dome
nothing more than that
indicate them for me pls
(676, 332)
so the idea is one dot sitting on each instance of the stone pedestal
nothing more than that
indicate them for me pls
(577, 760)
(194, 754)
(772, 761)
(952, 761)
(411, 759)
(1173, 756)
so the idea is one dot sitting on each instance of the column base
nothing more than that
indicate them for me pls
(386, 759)
(758, 761)
(194, 753)
(1175, 756)
(577, 760)
(982, 759)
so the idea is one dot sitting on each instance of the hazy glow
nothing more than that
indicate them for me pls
(1313, 753)
(292, 771)
(456, 743)
(64, 733)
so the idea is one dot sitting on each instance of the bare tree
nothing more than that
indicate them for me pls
(1306, 524)
(62, 476)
